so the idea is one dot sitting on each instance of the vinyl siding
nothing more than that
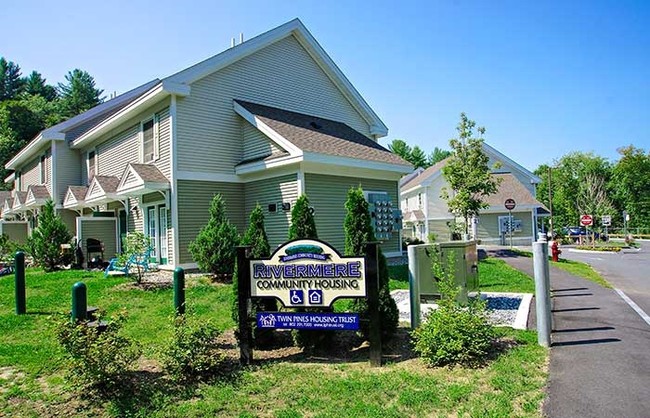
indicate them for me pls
(68, 169)
(103, 230)
(69, 218)
(488, 228)
(31, 174)
(15, 231)
(256, 144)
(281, 75)
(194, 199)
(48, 173)
(507, 168)
(273, 190)
(114, 154)
(437, 206)
(327, 194)
(122, 146)
(440, 228)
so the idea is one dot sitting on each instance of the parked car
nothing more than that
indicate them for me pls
(575, 232)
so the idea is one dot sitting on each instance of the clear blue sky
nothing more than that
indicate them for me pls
(544, 78)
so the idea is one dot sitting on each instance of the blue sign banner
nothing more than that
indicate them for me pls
(308, 320)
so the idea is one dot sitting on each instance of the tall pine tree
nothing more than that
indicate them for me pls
(10, 81)
(79, 93)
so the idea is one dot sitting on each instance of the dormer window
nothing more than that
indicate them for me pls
(149, 132)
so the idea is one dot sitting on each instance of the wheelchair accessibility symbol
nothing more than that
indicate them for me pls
(297, 297)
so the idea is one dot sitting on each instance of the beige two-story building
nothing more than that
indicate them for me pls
(262, 122)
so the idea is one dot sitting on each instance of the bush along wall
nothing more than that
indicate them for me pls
(256, 237)
(358, 231)
(303, 225)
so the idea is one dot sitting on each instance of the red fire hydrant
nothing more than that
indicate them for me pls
(555, 251)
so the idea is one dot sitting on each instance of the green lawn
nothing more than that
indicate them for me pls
(581, 270)
(32, 378)
(494, 276)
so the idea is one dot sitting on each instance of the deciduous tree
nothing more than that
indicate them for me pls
(468, 173)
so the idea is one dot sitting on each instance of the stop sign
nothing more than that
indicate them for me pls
(586, 220)
(510, 204)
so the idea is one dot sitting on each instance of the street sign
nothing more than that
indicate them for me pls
(586, 220)
(606, 220)
(510, 204)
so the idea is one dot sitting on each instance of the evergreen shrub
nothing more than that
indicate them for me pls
(214, 246)
(453, 333)
(45, 242)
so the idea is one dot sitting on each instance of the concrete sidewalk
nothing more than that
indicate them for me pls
(600, 353)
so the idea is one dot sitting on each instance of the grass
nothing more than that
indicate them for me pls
(494, 276)
(497, 276)
(581, 270)
(33, 383)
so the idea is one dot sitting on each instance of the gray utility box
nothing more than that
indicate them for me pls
(464, 256)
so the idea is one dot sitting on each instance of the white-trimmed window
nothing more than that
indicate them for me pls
(149, 136)
(43, 166)
(91, 164)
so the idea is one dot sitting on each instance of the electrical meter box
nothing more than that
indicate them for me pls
(384, 218)
(463, 255)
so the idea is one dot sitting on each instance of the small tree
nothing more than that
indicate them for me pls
(136, 245)
(358, 231)
(303, 225)
(468, 173)
(255, 236)
(214, 246)
(46, 239)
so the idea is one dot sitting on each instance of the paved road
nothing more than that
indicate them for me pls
(600, 353)
(628, 271)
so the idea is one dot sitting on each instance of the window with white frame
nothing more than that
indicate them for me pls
(43, 167)
(149, 131)
(91, 164)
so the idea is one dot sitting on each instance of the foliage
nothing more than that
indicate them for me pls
(453, 334)
(46, 239)
(303, 224)
(214, 246)
(136, 245)
(468, 173)
(630, 184)
(99, 362)
(572, 192)
(437, 155)
(191, 353)
(256, 237)
(35, 85)
(78, 93)
(10, 81)
(358, 231)
(432, 237)
(415, 155)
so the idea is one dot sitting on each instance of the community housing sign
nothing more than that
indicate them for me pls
(307, 273)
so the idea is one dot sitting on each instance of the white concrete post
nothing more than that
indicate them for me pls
(542, 292)
(414, 286)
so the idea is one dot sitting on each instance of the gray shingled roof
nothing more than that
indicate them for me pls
(4, 195)
(149, 173)
(39, 192)
(322, 136)
(420, 178)
(511, 188)
(79, 192)
(20, 196)
(108, 183)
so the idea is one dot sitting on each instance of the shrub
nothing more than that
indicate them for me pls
(135, 245)
(192, 353)
(453, 334)
(256, 237)
(99, 362)
(46, 239)
(303, 225)
(214, 246)
(358, 231)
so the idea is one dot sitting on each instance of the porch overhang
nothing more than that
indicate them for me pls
(102, 189)
(139, 179)
(37, 196)
(75, 198)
